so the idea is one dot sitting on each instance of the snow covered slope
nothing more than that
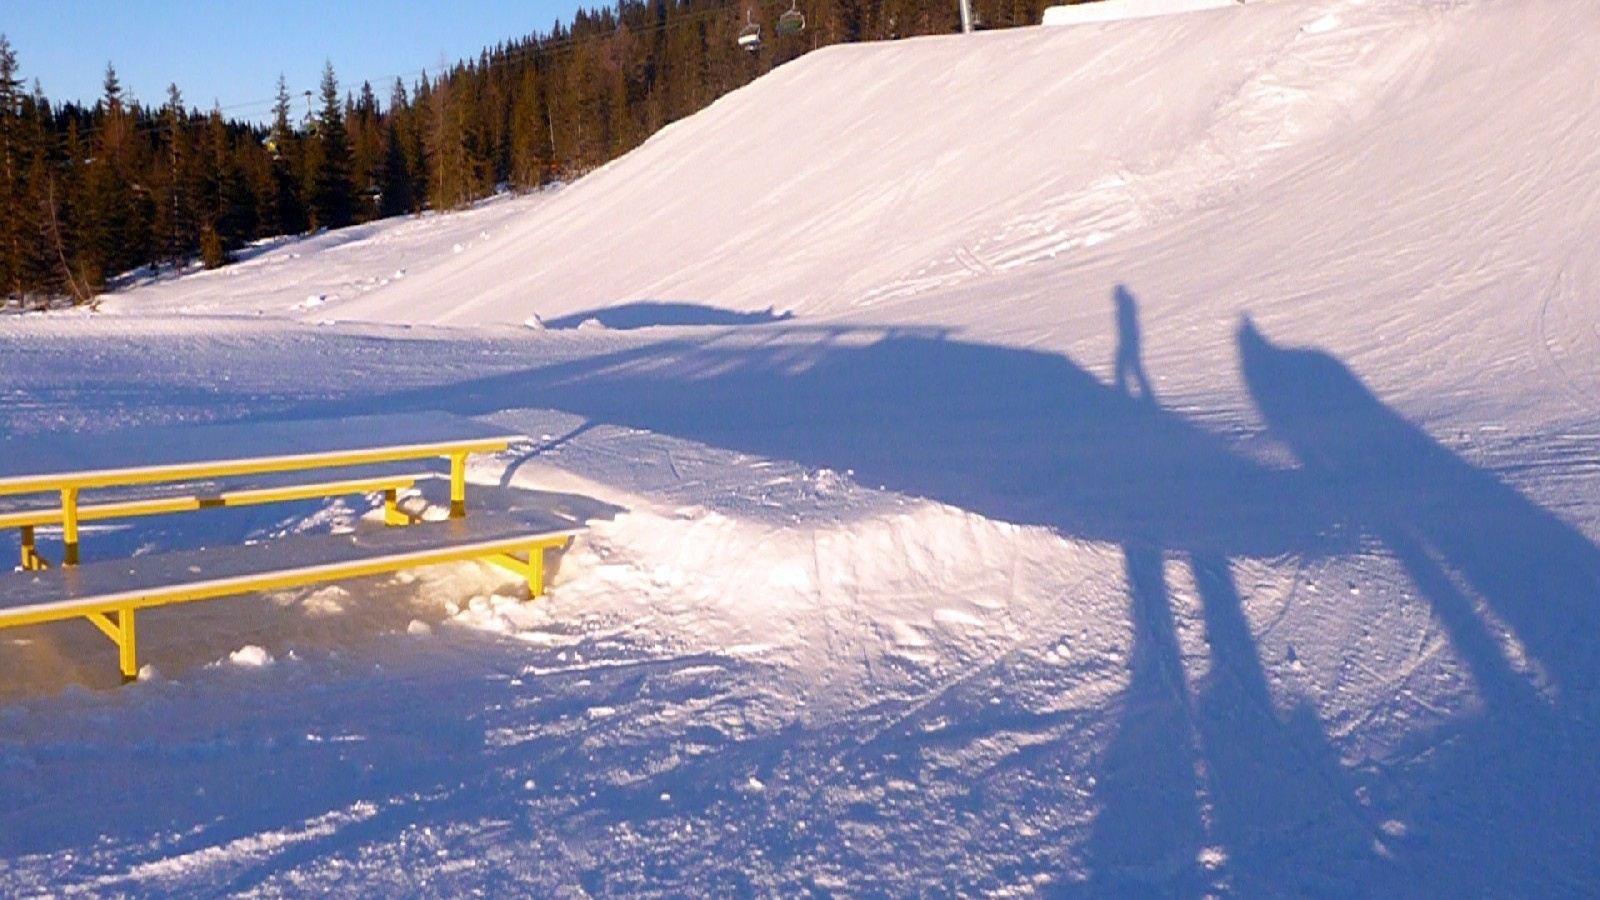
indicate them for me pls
(1196, 154)
(861, 171)
(1388, 163)
(1156, 456)
(859, 174)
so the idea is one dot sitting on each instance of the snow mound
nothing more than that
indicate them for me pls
(250, 657)
(1113, 10)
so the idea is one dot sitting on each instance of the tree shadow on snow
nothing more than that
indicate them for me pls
(649, 314)
(1017, 435)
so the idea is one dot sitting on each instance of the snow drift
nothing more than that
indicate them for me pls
(1114, 10)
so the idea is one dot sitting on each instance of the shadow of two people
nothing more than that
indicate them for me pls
(1224, 767)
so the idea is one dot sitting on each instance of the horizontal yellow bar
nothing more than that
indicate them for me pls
(308, 491)
(87, 512)
(275, 580)
(28, 484)
(185, 503)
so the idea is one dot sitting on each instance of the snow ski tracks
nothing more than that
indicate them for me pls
(1567, 333)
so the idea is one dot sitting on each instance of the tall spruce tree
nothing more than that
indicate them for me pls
(450, 177)
(287, 150)
(333, 196)
(14, 240)
(174, 215)
(366, 152)
(396, 196)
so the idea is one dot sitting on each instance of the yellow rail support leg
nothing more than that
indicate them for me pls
(458, 485)
(535, 571)
(532, 570)
(121, 632)
(31, 560)
(391, 509)
(69, 526)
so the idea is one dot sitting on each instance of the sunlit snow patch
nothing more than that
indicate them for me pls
(250, 656)
(1114, 10)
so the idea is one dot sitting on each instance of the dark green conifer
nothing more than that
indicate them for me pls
(333, 197)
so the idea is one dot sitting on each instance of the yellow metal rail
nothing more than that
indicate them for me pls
(28, 520)
(457, 451)
(70, 484)
(189, 502)
(113, 613)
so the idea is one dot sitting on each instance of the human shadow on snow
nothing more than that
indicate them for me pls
(1208, 788)
(1502, 802)
(1511, 804)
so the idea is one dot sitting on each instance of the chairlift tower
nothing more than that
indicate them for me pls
(966, 16)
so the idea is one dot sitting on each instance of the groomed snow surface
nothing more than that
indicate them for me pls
(1146, 457)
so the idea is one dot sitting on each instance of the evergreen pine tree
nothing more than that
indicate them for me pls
(414, 137)
(38, 269)
(286, 149)
(530, 133)
(450, 180)
(395, 194)
(332, 194)
(366, 152)
(13, 234)
(175, 214)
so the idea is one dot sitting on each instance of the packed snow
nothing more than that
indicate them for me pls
(1117, 10)
(1156, 456)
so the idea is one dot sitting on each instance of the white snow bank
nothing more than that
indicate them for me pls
(1113, 10)
(250, 657)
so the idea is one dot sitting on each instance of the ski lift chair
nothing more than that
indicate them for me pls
(311, 118)
(750, 35)
(793, 21)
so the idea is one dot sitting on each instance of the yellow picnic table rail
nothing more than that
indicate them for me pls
(110, 592)
(27, 520)
(95, 591)
(70, 484)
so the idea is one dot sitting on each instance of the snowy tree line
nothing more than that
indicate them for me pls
(91, 191)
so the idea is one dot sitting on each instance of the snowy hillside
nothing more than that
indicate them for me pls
(1151, 456)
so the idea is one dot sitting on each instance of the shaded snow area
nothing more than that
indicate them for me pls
(1147, 457)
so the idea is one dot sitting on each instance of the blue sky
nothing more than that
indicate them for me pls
(231, 53)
